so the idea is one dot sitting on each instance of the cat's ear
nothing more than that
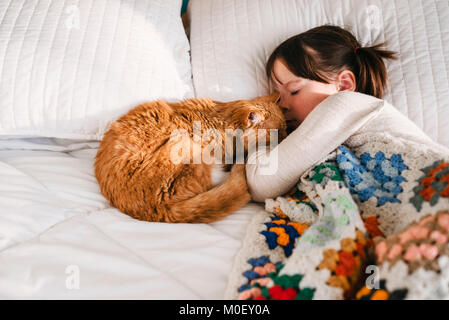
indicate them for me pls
(253, 118)
(274, 97)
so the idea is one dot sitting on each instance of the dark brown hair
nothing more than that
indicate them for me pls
(322, 52)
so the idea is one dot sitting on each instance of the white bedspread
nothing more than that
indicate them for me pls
(60, 239)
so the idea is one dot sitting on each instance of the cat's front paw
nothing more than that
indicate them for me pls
(238, 176)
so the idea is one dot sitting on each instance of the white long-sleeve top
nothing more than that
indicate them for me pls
(330, 124)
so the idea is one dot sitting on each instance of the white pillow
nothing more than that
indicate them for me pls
(70, 67)
(231, 41)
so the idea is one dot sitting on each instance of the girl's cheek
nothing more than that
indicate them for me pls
(301, 106)
(296, 107)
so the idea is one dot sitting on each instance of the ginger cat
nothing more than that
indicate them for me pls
(136, 172)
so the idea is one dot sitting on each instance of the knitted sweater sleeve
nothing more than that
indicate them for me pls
(331, 123)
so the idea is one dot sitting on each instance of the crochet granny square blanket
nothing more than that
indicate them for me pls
(369, 221)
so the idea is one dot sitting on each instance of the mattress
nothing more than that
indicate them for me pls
(59, 238)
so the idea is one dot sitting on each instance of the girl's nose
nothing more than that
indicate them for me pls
(283, 104)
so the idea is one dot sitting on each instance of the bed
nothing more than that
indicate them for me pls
(70, 68)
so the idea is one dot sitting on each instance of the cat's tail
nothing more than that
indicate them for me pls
(214, 204)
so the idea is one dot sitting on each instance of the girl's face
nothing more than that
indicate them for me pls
(299, 96)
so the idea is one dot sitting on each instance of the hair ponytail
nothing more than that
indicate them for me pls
(372, 77)
(322, 52)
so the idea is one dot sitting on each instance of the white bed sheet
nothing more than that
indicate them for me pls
(56, 227)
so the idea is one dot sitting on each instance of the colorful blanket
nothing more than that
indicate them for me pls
(370, 221)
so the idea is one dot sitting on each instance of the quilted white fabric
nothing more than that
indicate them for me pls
(59, 239)
(69, 67)
(232, 39)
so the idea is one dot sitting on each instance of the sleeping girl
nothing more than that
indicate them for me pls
(330, 90)
(354, 175)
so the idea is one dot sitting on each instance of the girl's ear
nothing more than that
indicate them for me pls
(346, 81)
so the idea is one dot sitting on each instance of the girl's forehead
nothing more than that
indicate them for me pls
(282, 75)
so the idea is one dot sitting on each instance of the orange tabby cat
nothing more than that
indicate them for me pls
(136, 172)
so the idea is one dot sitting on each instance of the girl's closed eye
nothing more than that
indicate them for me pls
(294, 88)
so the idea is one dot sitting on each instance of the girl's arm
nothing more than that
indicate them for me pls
(329, 125)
